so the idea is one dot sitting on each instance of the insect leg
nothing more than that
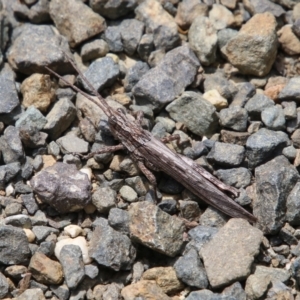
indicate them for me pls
(175, 137)
(102, 150)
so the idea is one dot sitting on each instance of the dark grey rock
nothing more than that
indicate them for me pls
(37, 163)
(235, 291)
(199, 236)
(163, 233)
(41, 232)
(22, 55)
(11, 146)
(227, 155)
(115, 250)
(287, 236)
(4, 286)
(262, 145)
(189, 210)
(72, 144)
(128, 194)
(163, 83)
(218, 81)
(229, 255)
(234, 117)
(61, 291)
(22, 221)
(212, 217)
(14, 246)
(70, 158)
(60, 117)
(137, 184)
(112, 36)
(113, 9)
(257, 104)
(190, 270)
(293, 205)
(8, 172)
(273, 118)
(246, 90)
(160, 23)
(101, 73)
(72, 263)
(243, 199)
(237, 177)
(289, 109)
(195, 112)
(274, 181)
(65, 93)
(296, 250)
(168, 206)
(261, 6)
(203, 39)
(291, 91)
(145, 46)
(62, 187)
(91, 270)
(131, 32)
(47, 248)
(8, 95)
(94, 49)
(204, 295)
(39, 218)
(289, 152)
(169, 185)
(13, 209)
(296, 270)
(32, 117)
(118, 219)
(27, 169)
(104, 198)
(134, 74)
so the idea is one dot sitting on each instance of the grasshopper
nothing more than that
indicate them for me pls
(149, 153)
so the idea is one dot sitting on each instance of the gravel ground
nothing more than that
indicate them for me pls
(224, 76)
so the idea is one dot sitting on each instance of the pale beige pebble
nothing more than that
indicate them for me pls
(123, 99)
(45, 270)
(115, 163)
(165, 277)
(231, 4)
(87, 171)
(73, 230)
(38, 90)
(48, 161)
(273, 91)
(30, 235)
(221, 17)
(144, 289)
(79, 241)
(296, 12)
(128, 62)
(297, 159)
(114, 57)
(9, 190)
(288, 40)
(214, 97)
(31, 294)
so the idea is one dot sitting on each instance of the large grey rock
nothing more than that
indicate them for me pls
(228, 257)
(62, 187)
(274, 181)
(75, 20)
(164, 83)
(42, 49)
(101, 73)
(262, 145)
(155, 229)
(72, 264)
(195, 112)
(14, 246)
(9, 99)
(190, 270)
(115, 250)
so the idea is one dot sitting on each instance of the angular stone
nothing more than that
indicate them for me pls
(104, 199)
(115, 250)
(29, 294)
(4, 286)
(221, 17)
(165, 82)
(274, 273)
(234, 117)
(257, 104)
(261, 6)
(257, 286)
(291, 91)
(228, 257)
(118, 219)
(45, 270)
(93, 50)
(273, 118)
(289, 42)
(72, 264)
(23, 57)
(63, 187)
(8, 95)
(274, 181)
(75, 20)
(8, 172)
(72, 144)
(195, 112)
(237, 177)
(293, 205)
(232, 137)
(155, 229)
(32, 117)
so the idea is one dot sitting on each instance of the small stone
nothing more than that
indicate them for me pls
(4, 286)
(232, 137)
(61, 291)
(62, 187)
(72, 144)
(73, 230)
(261, 6)
(155, 229)
(291, 91)
(145, 46)
(289, 109)
(190, 270)
(233, 248)
(202, 29)
(273, 118)
(215, 99)
(128, 194)
(72, 264)
(237, 177)
(226, 155)
(29, 294)
(189, 210)
(288, 40)
(257, 104)
(22, 221)
(9, 95)
(234, 117)
(93, 50)
(289, 152)
(213, 218)
(144, 288)
(41, 232)
(134, 74)
(165, 278)
(246, 90)
(115, 250)
(257, 286)
(78, 241)
(30, 235)
(118, 219)
(76, 21)
(221, 17)
(104, 199)
(137, 184)
(274, 273)
(13, 209)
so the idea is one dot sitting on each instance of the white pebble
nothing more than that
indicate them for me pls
(73, 230)
(30, 235)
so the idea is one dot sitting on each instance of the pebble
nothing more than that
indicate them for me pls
(73, 230)
(9, 95)
(215, 99)
(234, 117)
(273, 118)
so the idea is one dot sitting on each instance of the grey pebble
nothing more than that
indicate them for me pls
(257, 104)
(134, 74)
(237, 177)
(291, 91)
(32, 117)
(94, 49)
(273, 118)
(118, 219)
(234, 117)
(41, 232)
(104, 198)
(9, 96)
(61, 291)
